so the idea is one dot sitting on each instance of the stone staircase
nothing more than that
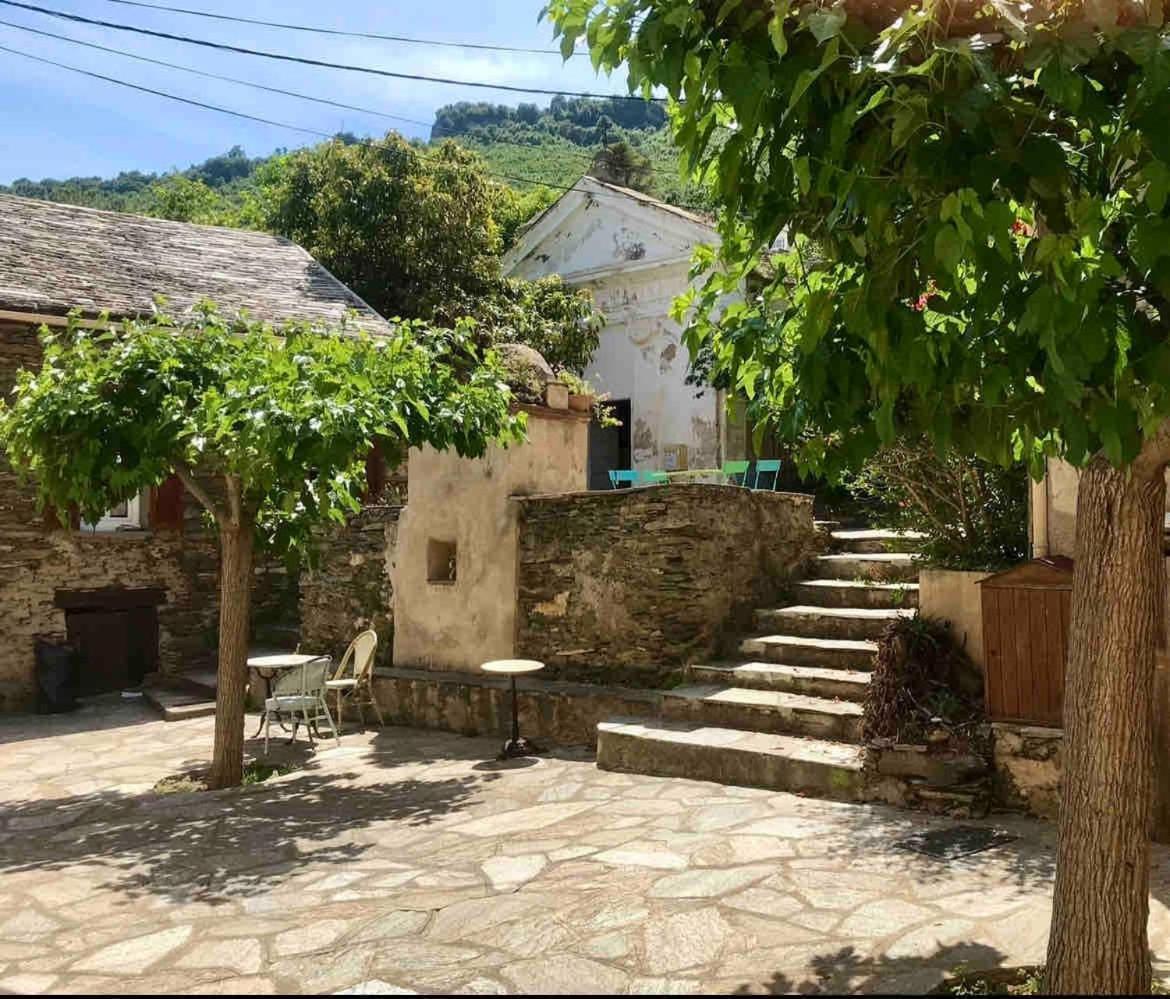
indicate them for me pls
(787, 712)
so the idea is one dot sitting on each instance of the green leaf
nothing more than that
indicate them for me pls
(948, 248)
(826, 23)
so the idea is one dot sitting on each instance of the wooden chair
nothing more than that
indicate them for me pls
(358, 685)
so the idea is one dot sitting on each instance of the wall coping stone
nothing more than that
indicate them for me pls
(616, 495)
(530, 683)
(1032, 731)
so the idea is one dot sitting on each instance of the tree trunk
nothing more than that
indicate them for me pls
(235, 596)
(1098, 943)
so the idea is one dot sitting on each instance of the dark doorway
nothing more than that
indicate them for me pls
(609, 447)
(115, 632)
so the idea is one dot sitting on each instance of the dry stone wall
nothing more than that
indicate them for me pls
(349, 590)
(622, 587)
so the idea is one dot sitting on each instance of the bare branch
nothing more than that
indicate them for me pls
(195, 489)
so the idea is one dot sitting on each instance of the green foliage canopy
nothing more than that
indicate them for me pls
(976, 200)
(290, 413)
(400, 224)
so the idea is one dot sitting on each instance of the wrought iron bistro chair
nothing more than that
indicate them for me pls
(731, 469)
(299, 695)
(354, 679)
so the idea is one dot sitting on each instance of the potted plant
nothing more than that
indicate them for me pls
(581, 393)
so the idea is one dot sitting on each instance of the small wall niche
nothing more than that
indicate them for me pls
(441, 561)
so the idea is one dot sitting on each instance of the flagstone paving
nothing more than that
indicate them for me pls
(410, 861)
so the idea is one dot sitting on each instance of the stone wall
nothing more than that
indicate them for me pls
(1028, 767)
(621, 587)
(552, 713)
(37, 559)
(349, 590)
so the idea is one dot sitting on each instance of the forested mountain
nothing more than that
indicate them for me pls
(534, 151)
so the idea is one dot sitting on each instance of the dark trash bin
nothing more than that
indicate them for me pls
(58, 677)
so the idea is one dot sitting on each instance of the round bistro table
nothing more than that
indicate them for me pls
(515, 746)
(268, 668)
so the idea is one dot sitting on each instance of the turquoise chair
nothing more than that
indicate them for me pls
(731, 469)
(623, 476)
(655, 478)
(767, 466)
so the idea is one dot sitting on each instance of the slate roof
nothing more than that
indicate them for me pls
(55, 257)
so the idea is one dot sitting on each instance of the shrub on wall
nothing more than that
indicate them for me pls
(974, 514)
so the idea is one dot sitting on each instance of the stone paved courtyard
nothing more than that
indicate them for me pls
(408, 861)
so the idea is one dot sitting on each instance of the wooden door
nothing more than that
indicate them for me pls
(102, 638)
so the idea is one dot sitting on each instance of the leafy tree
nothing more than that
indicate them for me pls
(549, 317)
(183, 200)
(623, 165)
(267, 428)
(400, 224)
(415, 233)
(986, 186)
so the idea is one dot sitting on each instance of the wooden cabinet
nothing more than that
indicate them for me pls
(1025, 641)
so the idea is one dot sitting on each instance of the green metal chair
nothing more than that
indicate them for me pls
(733, 468)
(767, 466)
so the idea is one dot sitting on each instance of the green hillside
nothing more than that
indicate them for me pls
(523, 146)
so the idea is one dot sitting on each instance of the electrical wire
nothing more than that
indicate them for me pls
(481, 46)
(321, 63)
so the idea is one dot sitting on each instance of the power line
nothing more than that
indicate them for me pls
(280, 124)
(160, 93)
(482, 46)
(284, 57)
(582, 157)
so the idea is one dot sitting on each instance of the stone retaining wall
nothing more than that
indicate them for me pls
(1028, 760)
(552, 713)
(349, 590)
(622, 587)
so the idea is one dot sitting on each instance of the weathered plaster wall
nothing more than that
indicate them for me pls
(620, 587)
(634, 257)
(458, 625)
(956, 597)
(349, 590)
(641, 357)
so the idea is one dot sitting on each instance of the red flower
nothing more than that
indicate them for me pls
(1021, 228)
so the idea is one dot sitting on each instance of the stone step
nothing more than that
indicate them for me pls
(176, 702)
(877, 541)
(856, 593)
(799, 650)
(829, 622)
(774, 711)
(891, 567)
(731, 756)
(814, 681)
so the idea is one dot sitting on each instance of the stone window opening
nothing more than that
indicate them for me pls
(441, 561)
(126, 516)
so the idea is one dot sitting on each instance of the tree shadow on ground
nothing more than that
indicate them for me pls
(847, 970)
(221, 845)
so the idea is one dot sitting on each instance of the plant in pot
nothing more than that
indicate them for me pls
(583, 397)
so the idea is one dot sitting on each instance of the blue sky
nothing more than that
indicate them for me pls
(55, 123)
